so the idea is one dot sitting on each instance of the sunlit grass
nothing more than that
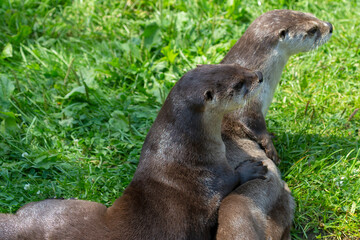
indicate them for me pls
(81, 83)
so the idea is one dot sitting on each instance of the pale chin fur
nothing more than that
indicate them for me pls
(272, 69)
(254, 92)
(240, 100)
(279, 57)
(321, 41)
(227, 105)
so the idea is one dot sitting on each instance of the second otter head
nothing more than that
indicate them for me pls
(221, 88)
(294, 31)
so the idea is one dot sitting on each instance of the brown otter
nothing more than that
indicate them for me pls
(263, 210)
(266, 46)
(182, 175)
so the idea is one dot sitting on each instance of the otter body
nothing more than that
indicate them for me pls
(182, 175)
(266, 47)
(256, 210)
(263, 210)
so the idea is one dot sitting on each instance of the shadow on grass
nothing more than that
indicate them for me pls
(323, 174)
(295, 147)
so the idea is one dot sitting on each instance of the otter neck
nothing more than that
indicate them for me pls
(202, 130)
(191, 131)
(211, 123)
(272, 69)
(271, 64)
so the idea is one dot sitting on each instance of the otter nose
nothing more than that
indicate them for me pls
(331, 27)
(259, 75)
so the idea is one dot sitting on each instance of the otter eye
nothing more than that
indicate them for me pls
(282, 33)
(313, 30)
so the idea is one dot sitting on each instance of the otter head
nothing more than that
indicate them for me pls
(292, 31)
(279, 34)
(269, 42)
(218, 88)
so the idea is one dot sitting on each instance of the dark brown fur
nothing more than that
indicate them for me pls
(258, 209)
(182, 175)
(263, 210)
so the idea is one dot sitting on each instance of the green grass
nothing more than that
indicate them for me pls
(81, 83)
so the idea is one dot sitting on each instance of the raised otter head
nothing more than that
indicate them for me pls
(295, 31)
(269, 42)
(221, 88)
(285, 32)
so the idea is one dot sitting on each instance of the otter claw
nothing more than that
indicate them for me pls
(272, 154)
(270, 149)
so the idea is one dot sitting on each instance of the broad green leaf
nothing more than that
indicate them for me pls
(74, 109)
(7, 51)
(45, 162)
(8, 123)
(169, 53)
(76, 90)
(67, 122)
(6, 90)
(152, 34)
(115, 62)
(89, 77)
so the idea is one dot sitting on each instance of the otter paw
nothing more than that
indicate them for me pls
(251, 169)
(270, 150)
(273, 155)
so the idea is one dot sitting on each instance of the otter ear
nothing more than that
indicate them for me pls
(282, 34)
(208, 95)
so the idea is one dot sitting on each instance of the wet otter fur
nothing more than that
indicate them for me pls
(182, 176)
(263, 210)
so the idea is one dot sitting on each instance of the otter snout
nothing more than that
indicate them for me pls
(259, 75)
(330, 27)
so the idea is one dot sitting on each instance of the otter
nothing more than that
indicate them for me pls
(182, 176)
(263, 210)
(266, 46)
